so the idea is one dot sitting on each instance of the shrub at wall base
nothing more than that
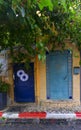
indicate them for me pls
(4, 87)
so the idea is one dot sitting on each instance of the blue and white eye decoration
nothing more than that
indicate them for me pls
(22, 75)
(20, 72)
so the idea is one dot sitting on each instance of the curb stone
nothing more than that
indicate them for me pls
(40, 115)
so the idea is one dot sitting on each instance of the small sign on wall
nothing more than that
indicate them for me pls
(3, 63)
(76, 70)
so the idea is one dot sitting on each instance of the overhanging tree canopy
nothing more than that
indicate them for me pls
(32, 25)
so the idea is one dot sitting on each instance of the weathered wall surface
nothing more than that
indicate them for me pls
(40, 81)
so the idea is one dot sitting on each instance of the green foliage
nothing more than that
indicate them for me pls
(47, 3)
(4, 87)
(25, 23)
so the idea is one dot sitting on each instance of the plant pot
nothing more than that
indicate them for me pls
(3, 100)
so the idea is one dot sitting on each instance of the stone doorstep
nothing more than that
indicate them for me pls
(60, 103)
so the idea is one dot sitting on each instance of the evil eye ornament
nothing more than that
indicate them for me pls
(20, 72)
(24, 77)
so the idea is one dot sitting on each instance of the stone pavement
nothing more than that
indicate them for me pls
(52, 124)
(34, 111)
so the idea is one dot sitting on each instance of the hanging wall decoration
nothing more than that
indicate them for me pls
(22, 75)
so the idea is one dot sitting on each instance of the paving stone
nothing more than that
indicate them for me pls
(32, 107)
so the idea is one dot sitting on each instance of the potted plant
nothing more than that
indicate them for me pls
(4, 87)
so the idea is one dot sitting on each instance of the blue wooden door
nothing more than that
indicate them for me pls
(24, 83)
(59, 76)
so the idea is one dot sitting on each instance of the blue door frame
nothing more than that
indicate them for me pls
(24, 83)
(59, 75)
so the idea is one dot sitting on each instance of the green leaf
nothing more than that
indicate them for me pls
(63, 2)
(39, 56)
(1, 1)
(45, 3)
